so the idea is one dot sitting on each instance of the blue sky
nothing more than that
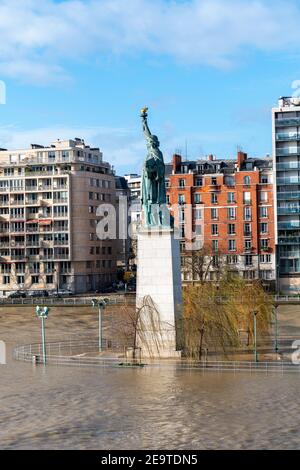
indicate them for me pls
(210, 71)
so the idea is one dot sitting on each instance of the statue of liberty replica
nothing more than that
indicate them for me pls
(158, 297)
(153, 181)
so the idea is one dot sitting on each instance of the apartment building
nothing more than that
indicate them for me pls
(48, 202)
(225, 208)
(286, 161)
(134, 182)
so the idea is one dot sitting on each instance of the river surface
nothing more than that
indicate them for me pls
(95, 408)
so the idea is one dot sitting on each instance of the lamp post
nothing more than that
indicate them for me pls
(101, 304)
(276, 328)
(42, 313)
(255, 336)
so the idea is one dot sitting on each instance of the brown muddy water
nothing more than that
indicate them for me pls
(165, 408)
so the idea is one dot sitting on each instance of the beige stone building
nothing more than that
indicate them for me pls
(48, 202)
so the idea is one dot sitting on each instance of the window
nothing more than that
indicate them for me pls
(6, 279)
(34, 279)
(91, 195)
(197, 198)
(215, 245)
(230, 197)
(266, 274)
(264, 244)
(231, 245)
(247, 229)
(181, 199)
(264, 179)
(214, 229)
(247, 197)
(247, 213)
(232, 259)
(249, 275)
(214, 198)
(247, 180)
(214, 213)
(247, 245)
(231, 229)
(49, 279)
(231, 213)
(248, 260)
(181, 183)
(265, 258)
(197, 214)
(263, 227)
(263, 196)
(214, 181)
(199, 182)
(263, 212)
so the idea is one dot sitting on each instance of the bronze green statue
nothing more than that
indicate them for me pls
(153, 181)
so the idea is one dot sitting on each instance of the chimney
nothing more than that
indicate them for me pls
(210, 158)
(176, 160)
(241, 157)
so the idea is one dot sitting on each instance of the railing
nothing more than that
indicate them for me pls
(288, 180)
(287, 137)
(288, 151)
(68, 301)
(288, 210)
(288, 195)
(85, 352)
(288, 166)
(287, 122)
(289, 225)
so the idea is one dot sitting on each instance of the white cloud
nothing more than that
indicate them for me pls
(37, 38)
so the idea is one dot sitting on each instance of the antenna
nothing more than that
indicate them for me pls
(186, 150)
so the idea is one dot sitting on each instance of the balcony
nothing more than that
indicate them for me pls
(288, 196)
(289, 240)
(287, 122)
(287, 137)
(294, 224)
(288, 166)
(288, 210)
(281, 152)
(288, 180)
(289, 254)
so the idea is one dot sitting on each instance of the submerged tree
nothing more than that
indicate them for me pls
(215, 314)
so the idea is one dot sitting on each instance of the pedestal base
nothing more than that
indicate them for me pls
(159, 293)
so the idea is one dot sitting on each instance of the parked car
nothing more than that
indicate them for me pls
(61, 293)
(17, 295)
(38, 293)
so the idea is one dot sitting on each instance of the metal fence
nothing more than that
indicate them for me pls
(68, 301)
(85, 353)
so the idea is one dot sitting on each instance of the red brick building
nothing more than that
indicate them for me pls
(226, 207)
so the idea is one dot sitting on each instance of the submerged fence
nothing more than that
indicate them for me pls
(86, 353)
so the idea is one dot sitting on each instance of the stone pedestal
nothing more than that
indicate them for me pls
(159, 282)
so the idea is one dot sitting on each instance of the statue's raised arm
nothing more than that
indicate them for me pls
(146, 129)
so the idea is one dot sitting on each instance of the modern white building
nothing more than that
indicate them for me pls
(286, 158)
(48, 218)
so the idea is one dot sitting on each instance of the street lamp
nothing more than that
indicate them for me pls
(101, 304)
(42, 313)
(255, 336)
(276, 328)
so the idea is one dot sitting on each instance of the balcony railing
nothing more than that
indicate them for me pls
(287, 151)
(288, 195)
(288, 180)
(288, 240)
(287, 122)
(287, 137)
(289, 225)
(288, 210)
(288, 166)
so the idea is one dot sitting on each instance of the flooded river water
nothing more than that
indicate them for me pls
(86, 408)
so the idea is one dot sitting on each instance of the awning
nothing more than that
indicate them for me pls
(45, 222)
(34, 221)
